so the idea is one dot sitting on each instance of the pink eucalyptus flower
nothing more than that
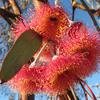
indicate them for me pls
(62, 72)
(78, 53)
(52, 79)
(79, 40)
(50, 22)
(29, 80)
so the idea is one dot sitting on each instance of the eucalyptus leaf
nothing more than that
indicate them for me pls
(23, 49)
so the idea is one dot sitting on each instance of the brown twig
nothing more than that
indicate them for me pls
(73, 93)
(85, 91)
(88, 88)
(57, 2)
(14, 7)
(24, 97)
(31, 97)
(18, 6)
(37, 3)
(59, 97)
(73, 13)
(73, 9)
(69, 94)
(24, 4)
(44, 1)
(8, 16)
(93, 11)
(91, 15)
(27, 97)
(66, 97)
(39, 54)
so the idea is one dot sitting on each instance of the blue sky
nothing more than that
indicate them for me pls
(79, 16)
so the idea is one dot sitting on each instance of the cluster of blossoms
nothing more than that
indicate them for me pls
(72, 52)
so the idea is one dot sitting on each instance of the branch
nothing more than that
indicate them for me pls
(14, 7)
(39, 54)
(73, 93)
(8, 16)
(57, 2)
(85, 91)
(24, 4)
(73, 9)
(31, 97)
(90, 13)
(93, 11)
(44, 1)
(24, 97)
(37, 3)
(69, 93)
(18, 6)
(8, 20)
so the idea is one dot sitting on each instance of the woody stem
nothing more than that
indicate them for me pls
(73, 93)
(24, 97)
(39, 54)
(57, 2)
(85, 84)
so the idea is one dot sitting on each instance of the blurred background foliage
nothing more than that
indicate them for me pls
(11, 9)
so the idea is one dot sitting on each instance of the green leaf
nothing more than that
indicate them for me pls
(24, 48)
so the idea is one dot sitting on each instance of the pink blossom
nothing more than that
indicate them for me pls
(50, 22)
(79, 41)
(29, 80)
(78, 53)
